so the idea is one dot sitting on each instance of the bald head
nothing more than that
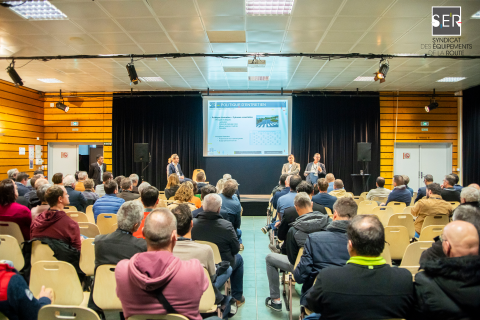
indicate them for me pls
(460, 239)
(330, 177)
(474, 185)
(160, 230)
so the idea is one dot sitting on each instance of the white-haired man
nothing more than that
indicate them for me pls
(76, 197)
(469, 196)
(82, 176)
(12, 174)
(134, 178)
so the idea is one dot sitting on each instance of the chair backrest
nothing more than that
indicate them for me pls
(454, 204)
(207, 302)
(358, 199)
(10, 250)
(397, 206)
(88, 229)
(411, 258)
(53, 312)
(380, 199)
(386, 254)
(170, 316)
(194, 176)
(397, 238)
(162, 196)
(407, 210)
(105, 294)
(383, 213)
(61, 277)
(11, 229)
(364, 195)
(216, 252)
(105, 221)
(77, 216)
(297, 261)
(366, 207)
(412, 202)
(350, 193)
(403, 219)
(436, 220)
(41, 252)
(87, 257)
(69, 208)
(430, 232)
(329, 212)
(415, 194)
(89, 213)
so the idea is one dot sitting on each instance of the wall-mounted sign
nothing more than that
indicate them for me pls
(406, 155)
(74, 123)
(424, 129)
(74, 129)
(64, 155)
(21, 151)
(424, 123)
(107, 143)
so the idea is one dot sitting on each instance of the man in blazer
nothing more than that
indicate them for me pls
(291, 167)
(315, 170)
(174, 167)
(97, 169)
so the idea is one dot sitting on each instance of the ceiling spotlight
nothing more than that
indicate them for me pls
(132, 73)
(62, 106)
(432, 106)
(14, 75)
(381, 74)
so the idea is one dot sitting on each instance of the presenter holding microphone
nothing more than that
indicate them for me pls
(174, 167)
(291, 167)
(315, 170)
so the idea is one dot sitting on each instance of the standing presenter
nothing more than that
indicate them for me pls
(174, 167)
(315, 170)
(291, 167)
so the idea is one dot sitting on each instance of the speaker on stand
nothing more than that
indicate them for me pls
(141, 154)
(364, 153)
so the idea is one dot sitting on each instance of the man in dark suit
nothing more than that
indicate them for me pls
(97, 169)
(127, 192)
(422, 192)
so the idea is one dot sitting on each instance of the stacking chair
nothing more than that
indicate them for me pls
(436, 220)
(77, 216)
(329, 212)
(11, 229)
(411, 258)
(291, 285)
(397, 238)
(412, 202)
(62, 278)
(162, 196)
(358, 199)
(364, 195)
(380, 199)
(403, 219)
(89, 230)
(41, 252)
(54, 312)
(383, 213)
(397, 207)
(430, 232)
(105, 221)
(105, 294)
(386, 254)
(87, 257)
(170, 316)
(194, 176)
(217, 258)
(207, 302)
(69, 208)
(408, 210)
(89, 213)
(366, 207)
(10, 250)
(454, 204)
(351, 193)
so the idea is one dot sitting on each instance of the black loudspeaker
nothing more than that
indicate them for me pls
(364, 151)
(140, 152)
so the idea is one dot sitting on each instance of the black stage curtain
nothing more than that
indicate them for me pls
(332, 126)
(471, 136)
(170, 124)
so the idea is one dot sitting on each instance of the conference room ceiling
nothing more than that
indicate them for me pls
(171, 26)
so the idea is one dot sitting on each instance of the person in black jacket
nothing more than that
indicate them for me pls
(127, 187)
(449, 288)
(77, 199)
(366, 287)
(422, 191)
(210, 226)
(97, 169)
(449, 193)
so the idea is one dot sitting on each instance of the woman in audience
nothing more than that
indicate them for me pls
(57, 179)
(41, 196)
(118, 180)
(172, 186)
(220, 185)
(183, 195)
(89, 192)
(196, 201)
(12, 211)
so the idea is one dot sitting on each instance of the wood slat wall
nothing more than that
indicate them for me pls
(411, 112)
(94, 116)
(21, 122)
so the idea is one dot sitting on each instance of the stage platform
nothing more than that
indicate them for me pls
(254, 204)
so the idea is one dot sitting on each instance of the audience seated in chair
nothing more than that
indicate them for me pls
(322, 197)
(306, 223)
(280, 186)
(118, 180)
(228, 177)
(470, 196)
(17, 301)
(380, 191)
(12, 211)
(457, 179)
(76, 198)
(149, 199)
(12, 174)
(183, 195)
(207, 190)
(448, 287)
(286, 201)
(200, 181)
(31, 196)
(134, 177)
(231, 205)
(142, 278)
(339, 190)
(100, 188)
(82, 176)
(210, 226)
(330, 179)
(89, 192)
(326, 248)
(449, 193)
(109, 203)
(406, 180)
(195, 200)
(173, 184)
(41, 190)
(127, 190)
(433, 205)
(422, 191)
(21, 183)
(366, 286)
(57, 179)
(399, 192)
(281, 192)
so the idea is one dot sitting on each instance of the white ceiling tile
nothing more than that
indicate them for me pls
(299, 47)
(265, 36)
(187, 37)
(98, 25)
(75, 39)
(336, 36)
(177, 8)
(404, 8)
(80, 10)
(380, 37)
(308, 23)
(193, 47)
(124, 49)
(184, 24)
(221, 7)
(224, 23)
(369, 47)
(57, 26)
(7, 40)
(368, 8)
(126, 9)
(92, 49)
(20, 27)
(158, 47)
(28, 51)
(266, 22)
(149, 37)
(394, 24)
(59, 50)
(140, 24)
(112, 38)
(315, 8)
(327, 47)
(352, 23)
(229, 47)
(304, 36)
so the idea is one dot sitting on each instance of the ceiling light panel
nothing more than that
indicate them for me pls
(151, 79)
(363, 78)
(258, 78)
(476, 15)
(451, 79)
(37, 10)
(50, 80)
(268, 7)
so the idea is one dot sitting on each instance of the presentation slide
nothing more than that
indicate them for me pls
(246, 126)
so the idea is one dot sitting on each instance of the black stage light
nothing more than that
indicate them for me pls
(132, 73)
(432, 106)
(14, 75)
(381, 74)
(62, 106)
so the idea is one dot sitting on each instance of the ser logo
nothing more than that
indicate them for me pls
(446, 21)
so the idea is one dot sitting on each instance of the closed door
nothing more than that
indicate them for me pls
(407, 161)
(62, 158)
(435, 160)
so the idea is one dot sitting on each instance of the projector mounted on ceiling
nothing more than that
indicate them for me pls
(255, 63)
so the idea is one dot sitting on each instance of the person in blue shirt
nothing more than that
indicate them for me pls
(406, 180)
(286, 201)
(330, 179)
(232, 206)
(282, 192)
(399, 192)
(322, 197)
(109, 203)
(457, 179)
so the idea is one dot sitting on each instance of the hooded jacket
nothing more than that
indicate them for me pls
(449, 288)
(300, 229)
(56, 225)
(182, 284)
